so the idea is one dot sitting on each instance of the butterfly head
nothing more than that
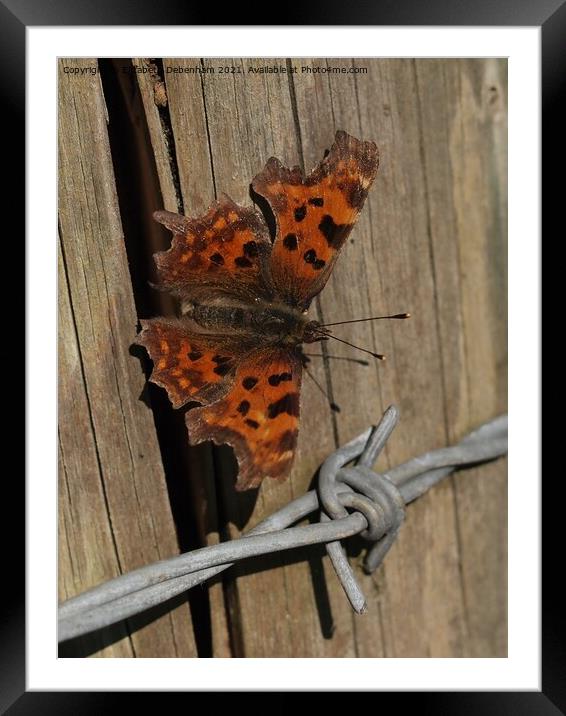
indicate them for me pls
(313, 332)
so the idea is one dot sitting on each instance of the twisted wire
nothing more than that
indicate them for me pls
(352, 500)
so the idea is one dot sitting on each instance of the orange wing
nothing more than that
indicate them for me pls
(188, 365)
(224, 251)
(315, 214)
(259, 416)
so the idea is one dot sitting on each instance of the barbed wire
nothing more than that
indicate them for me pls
(352, 500)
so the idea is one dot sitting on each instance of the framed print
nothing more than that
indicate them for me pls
(173, 177)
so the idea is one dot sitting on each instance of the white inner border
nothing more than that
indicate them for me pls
(521, 670)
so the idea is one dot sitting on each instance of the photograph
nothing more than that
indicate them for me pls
(282, 309)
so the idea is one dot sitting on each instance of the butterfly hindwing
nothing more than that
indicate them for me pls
(258, 416)
(315, 214)
(188, 365)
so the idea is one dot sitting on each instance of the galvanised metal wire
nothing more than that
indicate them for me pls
(352, 500)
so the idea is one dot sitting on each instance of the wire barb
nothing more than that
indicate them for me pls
(352, 500)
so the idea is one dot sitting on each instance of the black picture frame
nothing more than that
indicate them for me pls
(15, 16)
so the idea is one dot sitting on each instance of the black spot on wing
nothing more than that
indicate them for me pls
(249, 382)
(290, 242)
(242, 262)
(217, 259)
(300, 213)
(223, 369)
(311, 258)
(333, 233)
(194, 355)
(277, 378)
(289, 404)
(252, 423)
(243, 407)
(250, 249)
(316, 201)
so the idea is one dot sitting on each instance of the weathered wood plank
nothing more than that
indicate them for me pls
(161, 142)
(464, 121)
(83, 517)
(104, 316)
(419, 595)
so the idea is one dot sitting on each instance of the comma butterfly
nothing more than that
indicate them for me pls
(236, 348)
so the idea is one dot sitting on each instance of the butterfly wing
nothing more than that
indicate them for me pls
(250, 395)
(315, 214)
(189, 365)
(258, 416)
(225, 251)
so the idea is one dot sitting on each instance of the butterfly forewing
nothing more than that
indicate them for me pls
(223, 252)
(315, 214)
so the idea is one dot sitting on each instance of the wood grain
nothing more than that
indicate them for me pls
(469, 249)
(431, 240)
(115, 497)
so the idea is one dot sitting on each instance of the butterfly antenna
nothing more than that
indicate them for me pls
(333, 405)
(361, 320)
(379, 356)
(350, 360)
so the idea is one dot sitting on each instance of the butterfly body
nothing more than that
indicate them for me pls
(271, 324)
(244, 295)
